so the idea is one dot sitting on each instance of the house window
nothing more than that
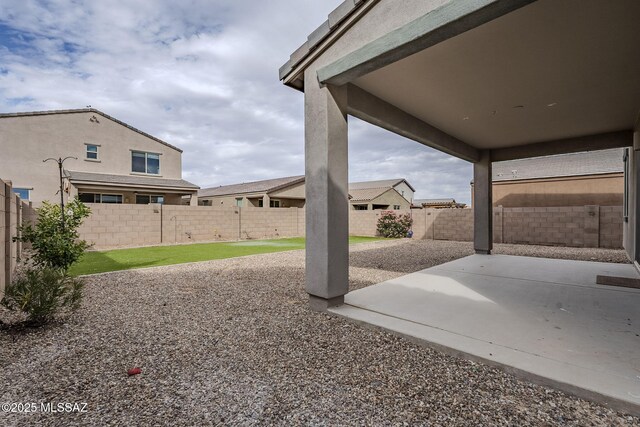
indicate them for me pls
(396, 207)
(24, 193)
(239, 202)
(100, 198)
(360, 207)
(92, 152)
(142, 162)
(274, 203)
(145, 199)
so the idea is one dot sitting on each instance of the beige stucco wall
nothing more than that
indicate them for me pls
(27, 140)
(289, 197)
(294, 191)
(389, 198)
(405, 191)
(603, 190)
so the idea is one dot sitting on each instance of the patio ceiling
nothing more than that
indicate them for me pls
(547, 71)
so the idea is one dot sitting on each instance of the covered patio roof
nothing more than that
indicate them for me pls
(498, 75)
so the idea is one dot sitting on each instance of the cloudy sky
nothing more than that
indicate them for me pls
(202, 75)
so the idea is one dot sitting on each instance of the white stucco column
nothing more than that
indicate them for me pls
(265, 201)
(482, 205)
(327, 203)
(193, 201)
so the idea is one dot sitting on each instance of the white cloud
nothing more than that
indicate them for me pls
(201, 74)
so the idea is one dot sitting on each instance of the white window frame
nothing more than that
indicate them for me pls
(86, 152)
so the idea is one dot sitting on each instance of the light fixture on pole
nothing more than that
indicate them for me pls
(60, 161)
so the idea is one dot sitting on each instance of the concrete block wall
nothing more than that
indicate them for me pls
(13, 211)
(184, 224)
(4, 238)
(453, 224)
(259, 223)
(140, 225)
(561, 226)
(579, 226)
(611, 227)
(121, 225)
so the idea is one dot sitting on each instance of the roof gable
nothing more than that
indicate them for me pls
(264, 186)
(384, 183)
(89, 110)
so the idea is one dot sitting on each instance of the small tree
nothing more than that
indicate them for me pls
(43, 287)
(56, 244)
(395, 226)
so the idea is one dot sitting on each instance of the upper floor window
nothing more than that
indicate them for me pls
(145, 162)
(92, 152)
(24, 193)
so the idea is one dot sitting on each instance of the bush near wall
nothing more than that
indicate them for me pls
(394, 226)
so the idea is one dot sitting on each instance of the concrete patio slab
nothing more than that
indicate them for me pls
(544, 319)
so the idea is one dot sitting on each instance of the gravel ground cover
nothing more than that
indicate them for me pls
(232, 342)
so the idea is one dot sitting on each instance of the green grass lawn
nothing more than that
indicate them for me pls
(152, 256)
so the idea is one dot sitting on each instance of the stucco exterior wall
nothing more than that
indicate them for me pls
(389, 198)
(405, 191)
(603, 190)
(27, 140)
(294, 191)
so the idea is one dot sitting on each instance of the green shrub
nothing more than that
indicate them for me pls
(41, 292)
(395, 226)
(52, 244)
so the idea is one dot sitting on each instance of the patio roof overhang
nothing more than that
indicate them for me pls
(521, 77)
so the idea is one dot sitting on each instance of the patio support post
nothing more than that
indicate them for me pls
(327, 204)
(482, 204)
(266, 200)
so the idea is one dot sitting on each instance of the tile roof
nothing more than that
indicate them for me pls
(574, 164)
(433, 201)
(265, 186)
(88, 110)
(366, 194)
(339, 14)
(386, 183)
(133, 180)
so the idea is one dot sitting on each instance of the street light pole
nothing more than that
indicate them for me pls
(60, 161)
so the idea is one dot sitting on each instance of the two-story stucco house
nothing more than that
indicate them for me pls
(111, 162)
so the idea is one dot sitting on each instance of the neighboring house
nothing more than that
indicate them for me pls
(363, 199)
(289, 192)
(115, 162)
(438, 204)
(285, 192)
(575, 179)
(401, 185)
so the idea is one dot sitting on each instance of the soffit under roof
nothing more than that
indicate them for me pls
(551, 70)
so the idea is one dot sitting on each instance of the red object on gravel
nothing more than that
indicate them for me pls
(134, 371)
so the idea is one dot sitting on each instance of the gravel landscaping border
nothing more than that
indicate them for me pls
(232, 342)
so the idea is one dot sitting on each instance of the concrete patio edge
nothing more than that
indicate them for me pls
(438, 340)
